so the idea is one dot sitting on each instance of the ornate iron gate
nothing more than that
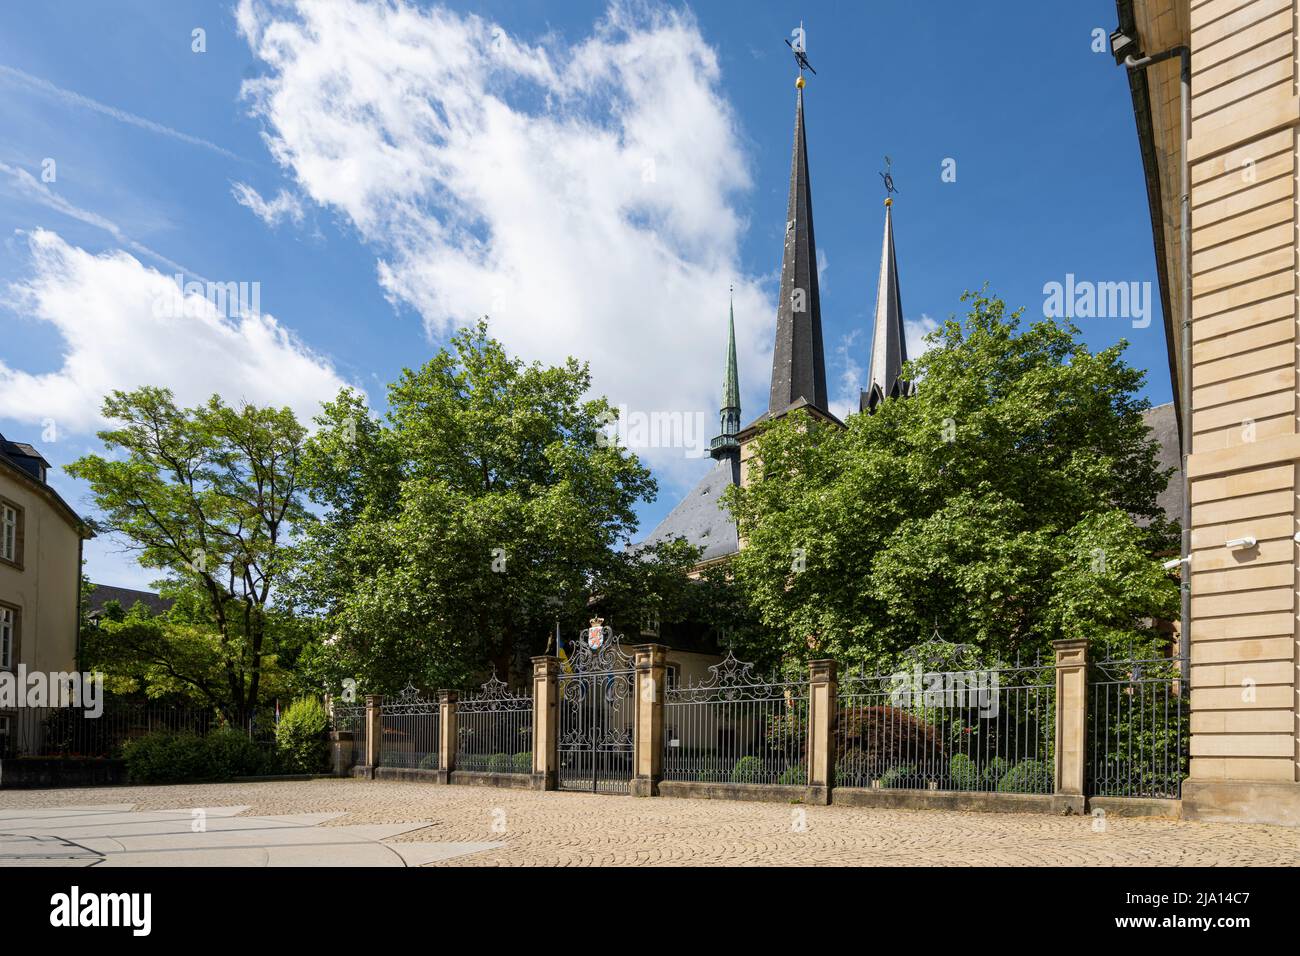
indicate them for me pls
(597, 711)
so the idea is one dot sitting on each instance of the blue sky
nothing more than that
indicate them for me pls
(593, 177)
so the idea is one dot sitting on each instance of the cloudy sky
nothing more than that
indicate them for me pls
(592, 176)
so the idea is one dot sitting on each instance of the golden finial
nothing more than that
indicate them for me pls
(798, 84)
(888, 202)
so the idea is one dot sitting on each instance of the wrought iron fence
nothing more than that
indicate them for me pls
(73, 732)
(409, 728)
(494, 730)
(352, 719)
(597, 714)
(736, 727)
(965, 730)
(1138, 728)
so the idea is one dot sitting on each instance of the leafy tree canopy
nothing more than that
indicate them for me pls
(1010, 502)
(487, 504)
(210, 496)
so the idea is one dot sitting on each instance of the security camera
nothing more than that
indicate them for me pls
(1175, 562)
(1242, 543)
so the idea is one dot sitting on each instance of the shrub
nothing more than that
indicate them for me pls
(523, 762)
(963, 774)
(888, 735)
(711, 776)
(896, 777)
(303, 737)
(428, 762)
(1028, 776)
(852, 768)
(229, 753)
(794, 775)
(747, 770)
(994, 772)
(500, 763)
(165, 757)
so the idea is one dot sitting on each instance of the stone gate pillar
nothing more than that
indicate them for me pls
(822, 714)
(1071, 721)
(648, 726)
(448, 733)
(374, 731)
(546, 717)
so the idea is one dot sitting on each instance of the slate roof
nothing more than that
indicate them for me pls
(1163, 422)
(798, 362)
(127, 597)
(700, 519)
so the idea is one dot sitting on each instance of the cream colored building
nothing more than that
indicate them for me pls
(40, 566)
(1243, 435)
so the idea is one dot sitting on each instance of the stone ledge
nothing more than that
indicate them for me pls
(768, 793)
(511, 781)
(1242, 801)
(1136, 807)
(408, 774)
(1057, 803)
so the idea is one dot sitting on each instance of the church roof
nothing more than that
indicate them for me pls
(731, 379)
(889, 342)
(1162, 420)
(798, 362)
(700, 518)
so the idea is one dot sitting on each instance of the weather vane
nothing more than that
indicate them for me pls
(888, 178)
(800, 50)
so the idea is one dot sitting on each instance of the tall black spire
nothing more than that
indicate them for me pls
(798, 361)
(726, 445)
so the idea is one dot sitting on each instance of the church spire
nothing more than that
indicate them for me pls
(889, 344)
(726, 445)
(798, 362)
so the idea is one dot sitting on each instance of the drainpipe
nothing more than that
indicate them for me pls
(1185, 386)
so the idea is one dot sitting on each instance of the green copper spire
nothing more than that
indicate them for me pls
(726, 445)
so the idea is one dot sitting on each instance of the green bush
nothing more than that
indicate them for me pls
(168, 757)
(711, 776)
(229, 753)
(523, 762)
(793, 776)
(302, 738)
(963, 774)
(994, 771)
(500, 763)
(1028, 776)
(897, 776)
(165, 757)
(747, 770)
(428, 762)
(852, 768)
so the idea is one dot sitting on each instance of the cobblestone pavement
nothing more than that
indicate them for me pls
(571, 829)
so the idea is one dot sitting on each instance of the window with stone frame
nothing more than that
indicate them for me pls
(8, 636)
(11, 519)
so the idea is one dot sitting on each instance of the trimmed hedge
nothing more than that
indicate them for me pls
(167, 757)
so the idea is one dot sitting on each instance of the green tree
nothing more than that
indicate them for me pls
(1010, 502)
(210, 496)
(458, 529)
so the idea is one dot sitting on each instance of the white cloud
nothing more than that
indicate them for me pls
(110, 311)
(122, 116)
(285, 205)
(915, 331)
(581, 194)
(27, 186)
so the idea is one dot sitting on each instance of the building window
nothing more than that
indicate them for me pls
(10, 518)
(5, 730)
(8, 636)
